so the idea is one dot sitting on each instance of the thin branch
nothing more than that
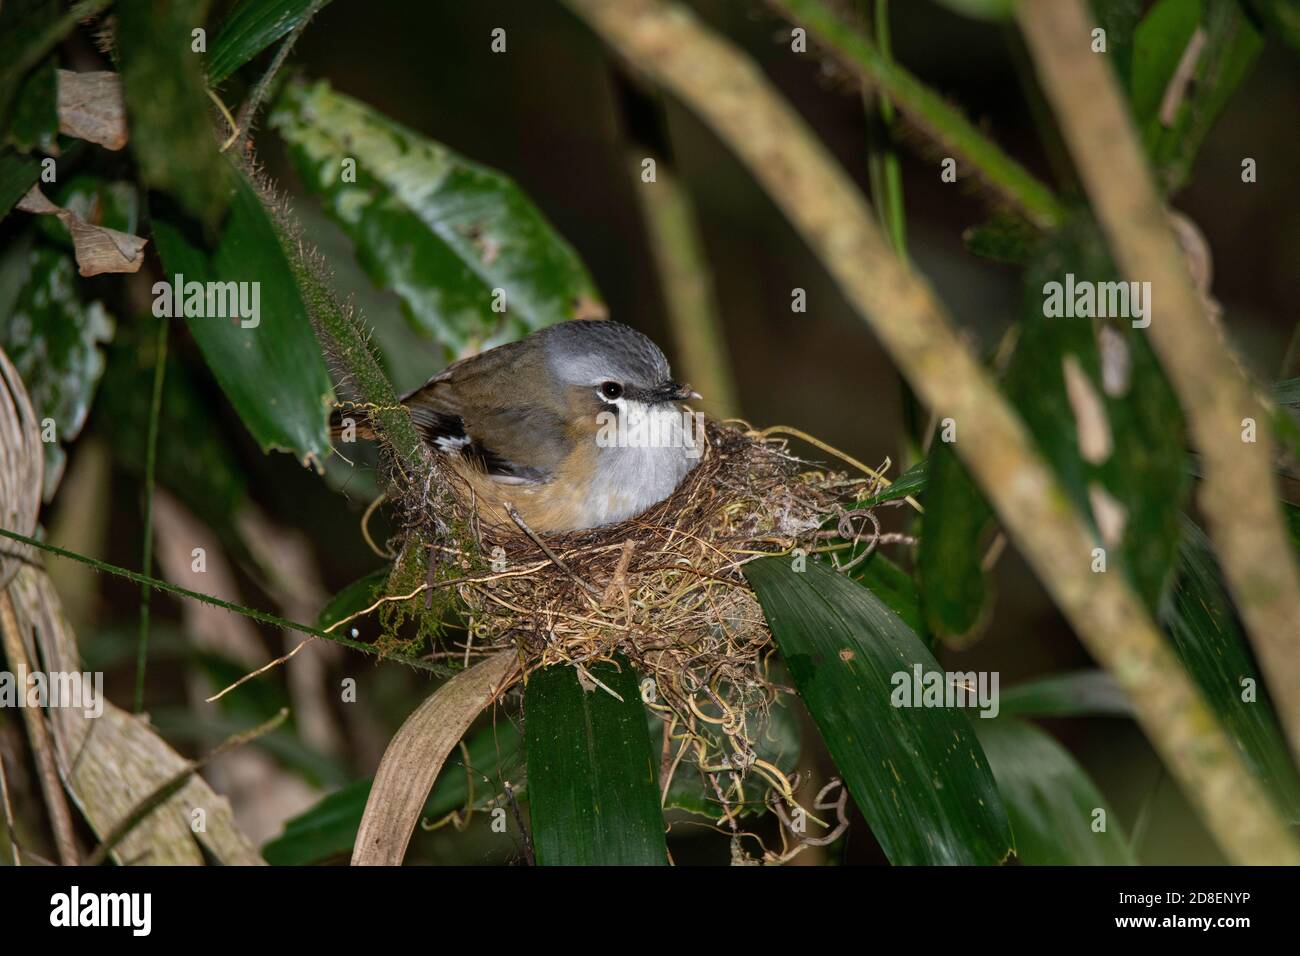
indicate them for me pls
(56, 802)
(150, 461)
(1238, 492)
(730, 94)
(253, 613)
(927, 110)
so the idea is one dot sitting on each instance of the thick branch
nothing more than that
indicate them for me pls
(729, 92)
(1238, 494)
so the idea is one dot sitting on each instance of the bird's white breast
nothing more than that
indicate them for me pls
(655, 449)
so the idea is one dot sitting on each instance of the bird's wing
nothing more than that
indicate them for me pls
(462, 412)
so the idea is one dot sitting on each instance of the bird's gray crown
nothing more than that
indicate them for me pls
(587, 352)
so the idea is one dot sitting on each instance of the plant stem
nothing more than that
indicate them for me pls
(1238, 492)
(150, 460)
(733, 97)
(927, 110)
(170, 588)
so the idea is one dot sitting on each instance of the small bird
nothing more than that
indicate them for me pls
(575, 426)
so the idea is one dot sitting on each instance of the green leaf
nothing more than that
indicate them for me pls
(23, 26)
(1158, 45)
(1050, 800)
(1231, 46)
(910, 482)
(272, 372)
(1200, 620)
(916, 773)
(34, 120)
(17, 175)
(168, 107)
(895, 587)
(252, 27)
(440, 231)
(955, 594)
(981, 9)
(1119, 18)
(1074, 694)
(1287, 392)
(53, 339)
(1143, 467)
(1007, 239)
(592, 782)
(329, 828)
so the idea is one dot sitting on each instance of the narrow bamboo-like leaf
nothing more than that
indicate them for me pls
(416, 754)
(473, 260)
(1100, 408)
(591, 777)
(1287, 392)
(252, 27)
(910, 482)
(1074, 694)
(271, 370)
(168, 107)
(1119, 18)
(1230, 48)
(896, 589)
(1200, 619)
(981, 9)
(955, 594)
(1281, 18)
(917, 773)
(34, 119)
(1057, 814)
(329, 828)
(55, 341)
(17, 175)
(1158, 46)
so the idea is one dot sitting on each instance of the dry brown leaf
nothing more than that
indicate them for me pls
(99, 250)
(91, 108)
(416, 754)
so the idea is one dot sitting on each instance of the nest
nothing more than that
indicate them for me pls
(666, 589)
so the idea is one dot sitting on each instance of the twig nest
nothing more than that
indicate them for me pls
(665, 589)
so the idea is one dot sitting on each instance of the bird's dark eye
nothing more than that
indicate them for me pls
(611, 390)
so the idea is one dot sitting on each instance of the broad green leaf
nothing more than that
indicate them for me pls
(1073, 694)
(34, 119)
(895, 587)
(955, 594)
(592, 780)
(453, 239)
(1051, 802)
(54, 340)
(916, 773)
(272, 371)
(202, 471)
(1141, 467)
(1200, 619)
(22, 26)
(168, 107)
(1231, 46)
(17, 175)
(1158, 46)
(251, 27)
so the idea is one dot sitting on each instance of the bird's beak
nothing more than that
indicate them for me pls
(674, 392)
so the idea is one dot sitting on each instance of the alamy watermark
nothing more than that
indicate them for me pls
(209, 300)
(83, 691)
(921, 688)
(1084, 299)
(653, 428)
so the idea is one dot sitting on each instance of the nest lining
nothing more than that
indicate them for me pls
(665, 588)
